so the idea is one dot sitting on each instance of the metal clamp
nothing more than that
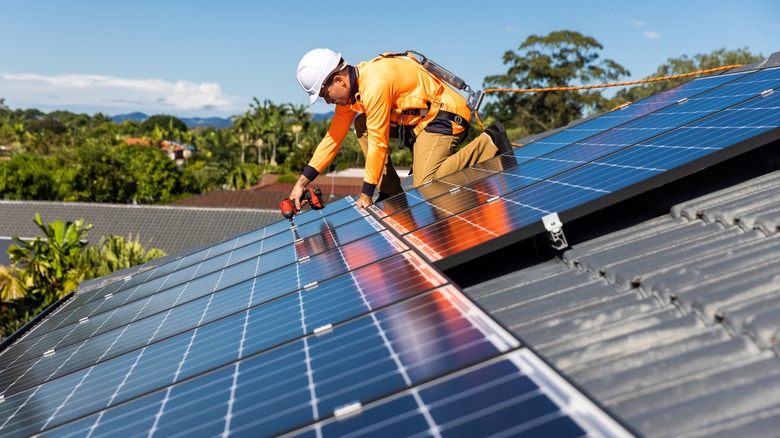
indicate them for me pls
(554, 228)
(473, 98)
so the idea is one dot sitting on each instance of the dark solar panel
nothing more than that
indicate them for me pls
(270, 332)
(552, 177)
(511, 395)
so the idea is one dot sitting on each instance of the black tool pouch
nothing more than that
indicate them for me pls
(406, 136)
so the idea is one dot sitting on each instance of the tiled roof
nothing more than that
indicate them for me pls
(268, 198)
(673, 324)
(170, 228)
(234, 199)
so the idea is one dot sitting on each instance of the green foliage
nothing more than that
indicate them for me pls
(559, 59)
(222, 151)
(50, 266)
(97, 172)
(47, 125)
(113, 254)
(28, 176)
(156, 178)
(169, 124)
(94, 173)
(681, 65)
(242, 176)
(48, 261)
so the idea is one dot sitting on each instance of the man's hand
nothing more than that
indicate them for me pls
(364, 201)
(297, 192)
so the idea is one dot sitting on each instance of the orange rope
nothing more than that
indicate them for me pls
(588, 87)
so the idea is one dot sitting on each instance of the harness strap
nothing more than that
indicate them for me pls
(456, 118)
(433, 111)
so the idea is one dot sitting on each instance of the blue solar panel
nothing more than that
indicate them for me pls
(556, 141)
(619, 118)
(534, 166)
(506, 396)
(390, 349)
(710, 126)
(270, 332)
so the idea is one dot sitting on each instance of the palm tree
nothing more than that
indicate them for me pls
(271, 123)
(246, 130)
(48, 261)
(10, 288)
(299, 115)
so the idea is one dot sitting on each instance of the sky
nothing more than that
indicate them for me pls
(199, 58)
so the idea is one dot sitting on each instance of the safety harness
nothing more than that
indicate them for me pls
(407, 134)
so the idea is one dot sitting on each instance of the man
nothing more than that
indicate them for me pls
(393, 95)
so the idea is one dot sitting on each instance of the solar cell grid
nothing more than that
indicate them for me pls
(556, 141)
(626, 114)
(500, 397)
(570, 177)
(346, 363)
(166, 292)
(134, 335)
(251, 242)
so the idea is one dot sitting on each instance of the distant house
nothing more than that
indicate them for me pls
(5, 152)
(175, 150)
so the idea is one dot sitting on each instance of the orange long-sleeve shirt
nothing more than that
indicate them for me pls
(385, 87)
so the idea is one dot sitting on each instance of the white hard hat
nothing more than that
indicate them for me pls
(314, 68)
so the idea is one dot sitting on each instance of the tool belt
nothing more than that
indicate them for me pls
(407, 134)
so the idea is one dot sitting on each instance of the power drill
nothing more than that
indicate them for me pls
(311, 194)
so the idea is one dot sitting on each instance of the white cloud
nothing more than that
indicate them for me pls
(651, 35)
(113, 94)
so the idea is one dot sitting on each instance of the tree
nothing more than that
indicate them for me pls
(222, 153)
(113, 254)
(242, 176)
(94, 173)
(168, 124)
(559, 59)
(681, 65)
(271, 120)
(156, 178)
(246, 131)
(10, 288)
(27, 176)
(48, 267)
(46, 261)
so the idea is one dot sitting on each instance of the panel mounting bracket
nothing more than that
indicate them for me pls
(554, 228)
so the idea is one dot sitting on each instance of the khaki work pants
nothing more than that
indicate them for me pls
(434, 156)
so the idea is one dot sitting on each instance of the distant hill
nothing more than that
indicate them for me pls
(191, 122)
(138, 117)
(323, 116)
(200, 122)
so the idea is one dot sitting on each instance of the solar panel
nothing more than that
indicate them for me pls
(515, 394)
(556, 141)
(276, 331)
(661, 143)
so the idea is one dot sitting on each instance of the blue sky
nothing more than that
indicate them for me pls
(211, 58)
